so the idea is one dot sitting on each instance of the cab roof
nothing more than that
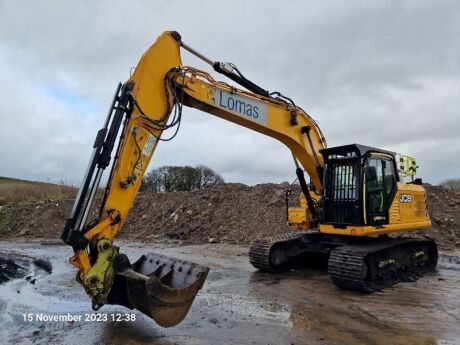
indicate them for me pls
(352, 150)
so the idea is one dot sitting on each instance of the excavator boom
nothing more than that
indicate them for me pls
(161, 287)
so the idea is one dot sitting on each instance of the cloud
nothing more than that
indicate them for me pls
(384, 74)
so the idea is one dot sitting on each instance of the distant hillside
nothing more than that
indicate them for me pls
(15, 190)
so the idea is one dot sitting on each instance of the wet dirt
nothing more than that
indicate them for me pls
(237, 305)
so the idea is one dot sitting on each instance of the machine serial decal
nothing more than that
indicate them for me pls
(245, 107)
(149, 145)
(405, 198)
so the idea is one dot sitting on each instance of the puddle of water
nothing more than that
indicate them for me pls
(239, 306)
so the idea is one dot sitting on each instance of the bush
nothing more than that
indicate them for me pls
(173, 178)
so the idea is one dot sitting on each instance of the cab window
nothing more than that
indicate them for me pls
(380, 186)
(375, 188)
(390, 180)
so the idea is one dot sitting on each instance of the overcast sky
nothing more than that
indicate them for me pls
(379, 73)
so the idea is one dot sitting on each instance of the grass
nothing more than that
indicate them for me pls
(14, 190)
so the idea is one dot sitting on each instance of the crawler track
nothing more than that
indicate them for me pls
(360, 264)
(275, 254)
(370, 267)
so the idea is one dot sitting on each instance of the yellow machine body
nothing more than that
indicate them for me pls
(158, 85)
(404, 216)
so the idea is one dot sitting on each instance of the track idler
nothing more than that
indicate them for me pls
(159, 286)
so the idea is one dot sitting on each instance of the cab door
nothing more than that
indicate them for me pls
(379, 189)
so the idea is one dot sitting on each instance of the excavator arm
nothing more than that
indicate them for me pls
(145, 106)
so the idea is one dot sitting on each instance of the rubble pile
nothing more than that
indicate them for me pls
(229, 213)
(444, 210)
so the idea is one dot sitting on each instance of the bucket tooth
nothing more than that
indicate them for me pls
(159, 286)
(157, 272)
(167, 278)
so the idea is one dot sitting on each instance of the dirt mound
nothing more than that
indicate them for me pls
(444, 210)
(229, 212)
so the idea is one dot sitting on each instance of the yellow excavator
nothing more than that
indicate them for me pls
(355, 199)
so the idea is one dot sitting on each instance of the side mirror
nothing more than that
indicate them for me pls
(371, 173)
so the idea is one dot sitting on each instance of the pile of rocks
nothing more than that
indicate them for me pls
(231, 212)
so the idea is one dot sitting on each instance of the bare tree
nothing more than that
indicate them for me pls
(152, 182)
(453, 183)
(208, 177)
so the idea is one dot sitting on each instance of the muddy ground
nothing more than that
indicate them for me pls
(227, 213)
(237, 304)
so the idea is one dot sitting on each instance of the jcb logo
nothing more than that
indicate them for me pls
(405, 198)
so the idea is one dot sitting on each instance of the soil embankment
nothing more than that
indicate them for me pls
(230, 213)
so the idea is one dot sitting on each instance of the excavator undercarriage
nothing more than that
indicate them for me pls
(360, 264)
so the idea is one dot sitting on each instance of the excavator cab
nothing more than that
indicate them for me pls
(360, 183)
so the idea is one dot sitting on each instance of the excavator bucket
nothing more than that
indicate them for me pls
(159, 286)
